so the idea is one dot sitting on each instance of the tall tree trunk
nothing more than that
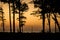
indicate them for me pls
(43, 14)
(55, 23)
(49, 22)
(10, 18)
(13, 17)
(3, 22)
(19, 19)
(43, 23)
(19, 22)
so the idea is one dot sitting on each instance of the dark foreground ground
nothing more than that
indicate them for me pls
(30, 36)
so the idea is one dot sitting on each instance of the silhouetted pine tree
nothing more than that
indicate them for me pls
(9, 1)
(40, 4)
(14, 8)
(21, 8)
(2, 18)
(22, 22)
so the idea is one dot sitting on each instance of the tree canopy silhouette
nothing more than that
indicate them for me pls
(16, 5)
(48, 7)
(23, 7)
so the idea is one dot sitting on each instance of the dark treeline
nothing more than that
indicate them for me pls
(48, 7)
(16, 5)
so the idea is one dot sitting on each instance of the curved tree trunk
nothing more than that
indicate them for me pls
(55, 24)
(49, 22)
(55, 27)
(56, 21)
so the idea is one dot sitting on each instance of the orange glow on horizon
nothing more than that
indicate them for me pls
(31, 21)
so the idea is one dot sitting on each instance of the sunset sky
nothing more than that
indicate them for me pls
(31, 21)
